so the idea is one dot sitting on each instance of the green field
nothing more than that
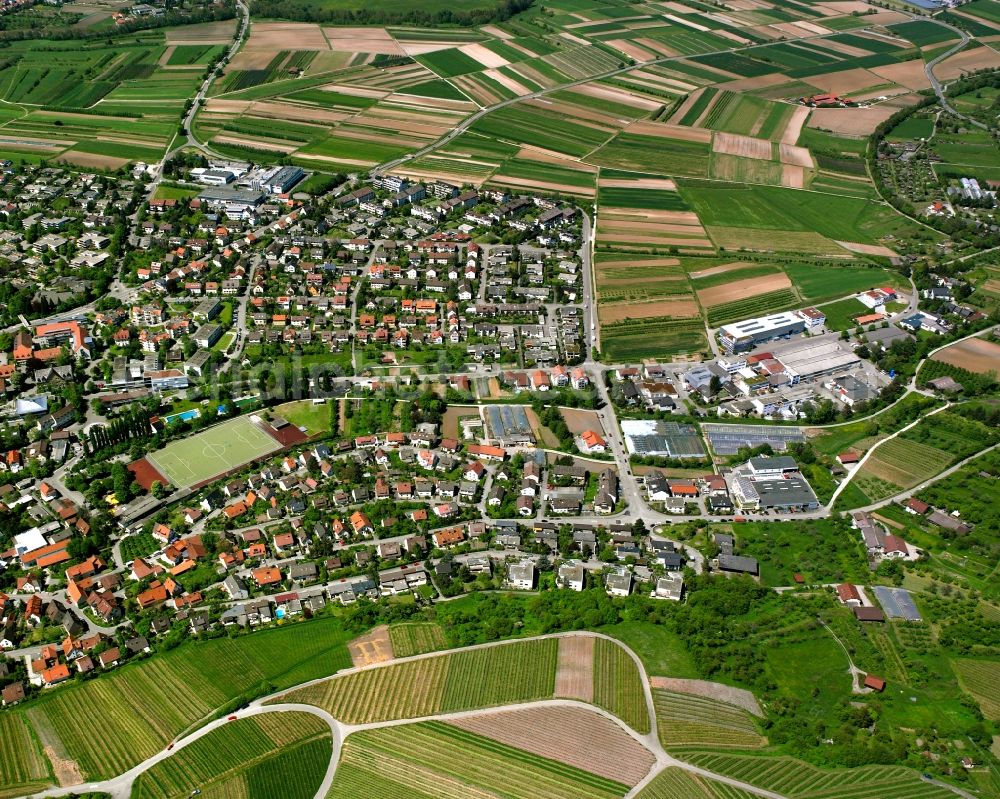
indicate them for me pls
(654, 154)
(762, 304)
(777, 209)
(433, 760)
(451, 62)
(816, 283)
(212, 452)
(139, 714)
(618, 685)
(658, 337)
(798, 780)
(415, 639)
(686, 720)
(272, 756)
(305, 413)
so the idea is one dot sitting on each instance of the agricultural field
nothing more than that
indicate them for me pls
(433, 760)
(23, 767)
(450, 682)
(798, 780)
(900, 464)
(675, 783)
(138, 717)
(416, 639)
(284, 754)
(975, 355)
(685, 721)
(979, 678)
(618, 685)
(652, 338)
(95, 105)
(779, 214)
(570, 735)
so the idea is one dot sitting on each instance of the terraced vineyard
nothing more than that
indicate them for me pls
(515, 672)
(675, 783)
(275, 756)
(139, 710)
(438, 761)
(618, 685)
(798, 780)
(980, 678)
(415, 639)
(686, 720)
(23, 767)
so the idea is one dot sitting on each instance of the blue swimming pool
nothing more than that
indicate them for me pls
(186, 416)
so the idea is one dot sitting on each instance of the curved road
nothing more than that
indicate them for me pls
(120, 787)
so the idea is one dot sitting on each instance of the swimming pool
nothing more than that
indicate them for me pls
(185, 416)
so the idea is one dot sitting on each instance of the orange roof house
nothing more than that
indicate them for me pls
(153, 595)
(267, 575)
(56, 674)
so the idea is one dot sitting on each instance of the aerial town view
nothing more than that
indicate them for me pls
(500, 399)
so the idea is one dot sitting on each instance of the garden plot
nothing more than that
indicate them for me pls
(569, 735)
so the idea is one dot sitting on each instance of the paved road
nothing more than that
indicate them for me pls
(935, 83)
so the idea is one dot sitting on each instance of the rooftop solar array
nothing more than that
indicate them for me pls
(727, 439)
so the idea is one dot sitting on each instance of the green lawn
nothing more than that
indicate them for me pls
(304, 413)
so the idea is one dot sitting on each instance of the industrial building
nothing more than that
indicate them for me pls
(744, 336)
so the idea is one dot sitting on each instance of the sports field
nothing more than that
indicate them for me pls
(215, 451)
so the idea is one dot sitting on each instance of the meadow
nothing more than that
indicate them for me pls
(139, 715)
(273, 756)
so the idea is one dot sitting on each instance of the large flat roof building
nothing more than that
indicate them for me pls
(745, 335)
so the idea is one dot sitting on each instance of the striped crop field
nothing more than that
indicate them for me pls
(686, 720)
(675, 783)
(416, 639)
(139, 709)
(432, 760)
(798, 780)
(274, 756)
(980, 678)
(23, 767)
(618, 685)
(515, 672)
